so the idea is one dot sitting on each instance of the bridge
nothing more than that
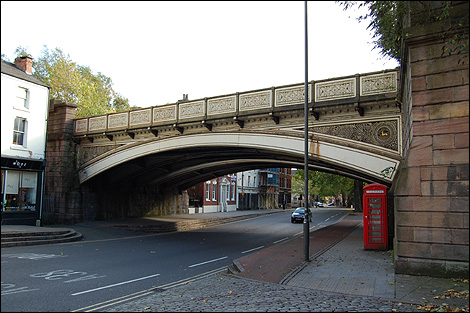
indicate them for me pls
(406, 128)
(354, 130)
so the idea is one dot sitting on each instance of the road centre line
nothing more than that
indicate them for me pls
(118, 284)
(261, 247)
(283, 239)
(214, 260)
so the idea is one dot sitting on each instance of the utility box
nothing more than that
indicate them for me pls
(375, 217)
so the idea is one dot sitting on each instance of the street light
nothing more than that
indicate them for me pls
(307, 211)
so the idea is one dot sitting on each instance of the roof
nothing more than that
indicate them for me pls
(15, 71)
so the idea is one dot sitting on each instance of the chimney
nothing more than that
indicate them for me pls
(185, 98)
(26, 63)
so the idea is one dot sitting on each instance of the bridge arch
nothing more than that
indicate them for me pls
(182, 161)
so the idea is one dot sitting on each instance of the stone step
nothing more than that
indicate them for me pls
(39, 238)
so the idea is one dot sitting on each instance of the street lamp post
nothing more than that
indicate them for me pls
(307, 211)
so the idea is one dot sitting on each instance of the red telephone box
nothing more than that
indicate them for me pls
(375, 217)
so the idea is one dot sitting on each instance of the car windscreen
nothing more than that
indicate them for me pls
(299, 210)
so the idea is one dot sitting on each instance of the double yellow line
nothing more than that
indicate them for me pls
(146, 292)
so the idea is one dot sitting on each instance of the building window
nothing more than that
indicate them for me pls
(233, 191)
(214, 183)
(22, 98)
(249, 181)
(208, 190)
(19, 130)
(20, 190)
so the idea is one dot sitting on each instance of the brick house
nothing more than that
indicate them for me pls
(215, 195)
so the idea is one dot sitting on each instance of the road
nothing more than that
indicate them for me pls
(113, 266)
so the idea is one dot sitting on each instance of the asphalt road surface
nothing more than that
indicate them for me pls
(111, 265)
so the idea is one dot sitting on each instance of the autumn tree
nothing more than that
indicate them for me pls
(70, 82)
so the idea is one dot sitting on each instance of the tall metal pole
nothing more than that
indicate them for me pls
(307, 211)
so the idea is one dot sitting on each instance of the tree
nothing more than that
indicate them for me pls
(329, 184)
(70, 82)
(322, 184)
(298, 183)
(387, 23)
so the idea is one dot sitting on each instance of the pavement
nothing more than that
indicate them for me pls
(339, 276)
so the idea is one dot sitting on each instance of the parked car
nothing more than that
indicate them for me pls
(331, 204)
(298, 215)
(319, 204)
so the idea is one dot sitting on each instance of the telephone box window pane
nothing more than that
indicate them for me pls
(374, 200)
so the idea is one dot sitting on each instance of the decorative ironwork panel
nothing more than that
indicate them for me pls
(139, 117)
(97, 123)
(221, 105)
(257, 100)
(162, 114)
(88, 153)
(338, 89)
(379, 83)
(292, 95)
(382, 133)
(118, 120)
(191, 109)
(81, 126)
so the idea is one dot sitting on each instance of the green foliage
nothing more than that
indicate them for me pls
(22, 52)
(120, 103)
(322, 184)
(70, 82)
(298, 183)
(387, 23)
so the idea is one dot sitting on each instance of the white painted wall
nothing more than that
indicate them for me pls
(36, 117)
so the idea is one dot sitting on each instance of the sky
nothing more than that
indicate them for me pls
(156, 51)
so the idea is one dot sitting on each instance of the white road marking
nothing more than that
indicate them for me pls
(118, 284)
(261, 247)
(283, 239)
(214, 260)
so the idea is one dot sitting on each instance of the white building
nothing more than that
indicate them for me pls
(248, 190)
(25, 101)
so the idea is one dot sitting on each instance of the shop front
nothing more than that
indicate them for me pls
(22, 183)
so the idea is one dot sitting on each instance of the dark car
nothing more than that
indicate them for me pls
(298, 215)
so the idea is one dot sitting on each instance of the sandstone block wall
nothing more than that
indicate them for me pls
(432, 190)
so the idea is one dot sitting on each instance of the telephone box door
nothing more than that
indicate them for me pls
(375, 217)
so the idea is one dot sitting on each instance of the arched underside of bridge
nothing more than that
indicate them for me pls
(183, 161)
